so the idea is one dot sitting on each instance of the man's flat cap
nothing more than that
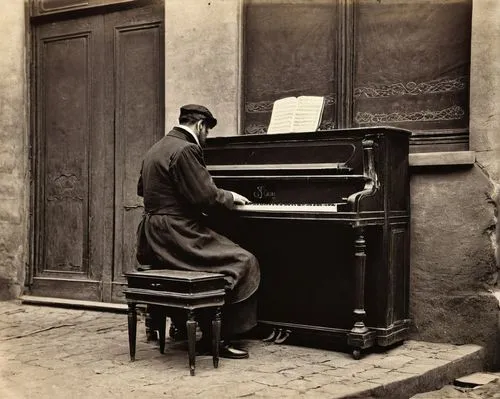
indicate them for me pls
(201, 112)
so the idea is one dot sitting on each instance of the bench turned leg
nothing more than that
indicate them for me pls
(216, 327)
(132, 329)
(191, 335)
(162, 321)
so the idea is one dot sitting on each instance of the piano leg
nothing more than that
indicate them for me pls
(360, 337)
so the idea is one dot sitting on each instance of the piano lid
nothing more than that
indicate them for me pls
(332, 152)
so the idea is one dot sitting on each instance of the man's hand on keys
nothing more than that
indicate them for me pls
(240, 199)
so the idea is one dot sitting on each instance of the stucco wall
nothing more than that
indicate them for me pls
(202, 58)
(485, 96)
(453, 269)
(13, 149)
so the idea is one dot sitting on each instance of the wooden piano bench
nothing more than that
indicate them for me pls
(168, 291)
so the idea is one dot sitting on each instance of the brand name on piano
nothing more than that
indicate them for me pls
(262, 193)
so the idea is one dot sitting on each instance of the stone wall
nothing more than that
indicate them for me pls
(485, 98)
(13, 149)
(202, 59)
(485, 114)
(453, 270)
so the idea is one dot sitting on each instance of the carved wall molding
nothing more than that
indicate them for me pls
(256, 129)
(437, 86)
(259, 107)
(454, 112)
(267, 106)
(328, 124)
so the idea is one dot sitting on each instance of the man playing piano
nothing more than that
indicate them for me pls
(177, 190)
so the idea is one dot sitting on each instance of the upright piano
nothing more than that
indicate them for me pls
(330, 225)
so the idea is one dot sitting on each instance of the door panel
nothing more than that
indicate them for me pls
(136, 41)
(70, 129)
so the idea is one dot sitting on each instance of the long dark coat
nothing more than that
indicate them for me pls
(177, 189)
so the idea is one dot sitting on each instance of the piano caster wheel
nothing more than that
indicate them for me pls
(356, 353)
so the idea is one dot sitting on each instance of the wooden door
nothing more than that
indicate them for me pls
(99, 106)
(135, 38)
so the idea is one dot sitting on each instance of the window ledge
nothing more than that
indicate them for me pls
(442, 158)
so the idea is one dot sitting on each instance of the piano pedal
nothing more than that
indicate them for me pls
(282, 336)
(271, 337)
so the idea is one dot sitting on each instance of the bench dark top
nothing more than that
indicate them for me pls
(175, 275)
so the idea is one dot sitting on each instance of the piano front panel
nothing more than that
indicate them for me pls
(307, 270)
(286, 190)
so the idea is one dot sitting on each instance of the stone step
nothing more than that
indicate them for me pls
(476, 379)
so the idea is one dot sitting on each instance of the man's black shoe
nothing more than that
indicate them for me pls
(230, 352)
(226, 350)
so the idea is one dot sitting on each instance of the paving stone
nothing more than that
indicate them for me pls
(306, 369)
(302, 385)
(476, 379)
(321, 379)
(389, 362)
(429, 361)
(392, 377)
(274, 392)
(271, 379)
(341, 361)
(451, 356)
(232, 390)
(416, 369)
(345, 372)
(335, 390)
(373, 373)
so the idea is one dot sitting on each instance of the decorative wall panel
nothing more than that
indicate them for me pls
(412, 64)
(290, 50)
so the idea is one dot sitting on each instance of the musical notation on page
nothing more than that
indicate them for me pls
(296, 114)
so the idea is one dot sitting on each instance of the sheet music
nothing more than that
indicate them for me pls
(282, 115)
(308, 114)
(296, 114)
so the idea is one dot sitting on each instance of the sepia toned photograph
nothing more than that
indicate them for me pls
(249, 199)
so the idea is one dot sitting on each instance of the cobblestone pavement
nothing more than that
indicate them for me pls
(48, 352)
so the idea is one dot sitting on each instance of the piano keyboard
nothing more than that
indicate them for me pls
(287, 207)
